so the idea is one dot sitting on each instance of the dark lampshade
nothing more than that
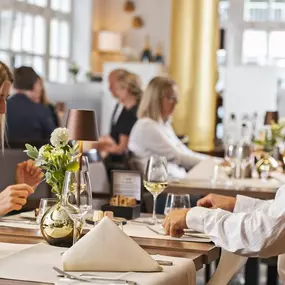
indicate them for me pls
(270, 117)
(82, 125)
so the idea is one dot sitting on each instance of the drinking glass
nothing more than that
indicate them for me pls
(155, 179)
(230, 157)
(175, 202)
(45, 204)
(76, 196)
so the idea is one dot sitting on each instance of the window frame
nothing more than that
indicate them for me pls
(48, 14)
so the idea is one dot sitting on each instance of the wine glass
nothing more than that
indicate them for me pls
(230, 157)
(76, 195)
(155, 179)
(176, 201)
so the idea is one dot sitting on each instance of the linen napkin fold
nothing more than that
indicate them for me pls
(205, 170)
(107, 248)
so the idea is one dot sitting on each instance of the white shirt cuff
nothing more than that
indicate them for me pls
(244, 204)
(195, 218)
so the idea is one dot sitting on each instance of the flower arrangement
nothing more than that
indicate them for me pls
(273, 136)
(56, 158)
(73, 69)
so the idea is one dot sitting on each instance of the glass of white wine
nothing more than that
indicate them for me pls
(155, 179)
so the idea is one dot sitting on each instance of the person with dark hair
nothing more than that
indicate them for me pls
(27, 121)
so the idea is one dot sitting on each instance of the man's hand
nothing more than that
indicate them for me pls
(217, 201)
(14, 198)
(28, 173)
(175, 222)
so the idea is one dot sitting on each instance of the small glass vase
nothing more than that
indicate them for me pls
(57, 227)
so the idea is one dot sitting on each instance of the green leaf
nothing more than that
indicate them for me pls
(58, 175)
(73, 166)
(29, 147)
(32, 154)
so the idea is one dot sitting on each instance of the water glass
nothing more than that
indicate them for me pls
(45, 204)
(76, 197)
(176, 201)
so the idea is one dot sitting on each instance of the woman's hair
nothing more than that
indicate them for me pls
(151, 103)
(43, 99)
(5, 75)
(131, 82)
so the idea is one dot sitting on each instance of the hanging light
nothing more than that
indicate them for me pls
(129, 6)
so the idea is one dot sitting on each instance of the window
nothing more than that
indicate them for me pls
(37, 33)
(262, 47)
(264, 10)
(254, 47)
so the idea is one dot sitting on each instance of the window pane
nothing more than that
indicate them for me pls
(27, 60)
(254, 47)
(63, 71)
(18, 61)
(38, 65)
(54, 37)
(17, 33)
(278, 10)
(65, 6)
(42, 3)
(5, 57)
(256, 10)
(5, 28)
(39, 35)
(61, 5)
(55, 5)
(53, 69)
(64, 39)
(277, 44)
(28, 33)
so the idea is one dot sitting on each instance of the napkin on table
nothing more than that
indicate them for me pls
(107, 248)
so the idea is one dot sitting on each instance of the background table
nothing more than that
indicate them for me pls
(202, 188)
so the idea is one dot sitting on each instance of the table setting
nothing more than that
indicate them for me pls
(105, 252)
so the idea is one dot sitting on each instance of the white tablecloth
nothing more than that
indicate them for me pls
(34, 263)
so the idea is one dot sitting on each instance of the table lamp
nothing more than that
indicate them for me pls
(271, 116)
(82, 126)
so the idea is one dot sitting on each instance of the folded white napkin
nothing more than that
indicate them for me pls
(107, 248)
(205, 170)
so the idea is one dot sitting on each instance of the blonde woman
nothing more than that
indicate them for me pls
(127, 88)
(28, 176)
(153, 135)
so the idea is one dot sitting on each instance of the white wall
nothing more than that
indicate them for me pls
(155, 13)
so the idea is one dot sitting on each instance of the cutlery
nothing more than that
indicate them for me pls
(94, 278)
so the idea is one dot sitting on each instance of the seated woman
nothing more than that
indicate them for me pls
(128, 91)
(153, 135)
(28, 176)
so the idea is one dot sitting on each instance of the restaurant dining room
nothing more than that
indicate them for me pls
(148, 143)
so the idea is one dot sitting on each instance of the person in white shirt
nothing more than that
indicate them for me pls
(153, 135)
(241, 225)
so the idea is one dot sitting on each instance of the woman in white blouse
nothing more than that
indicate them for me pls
(153, 135)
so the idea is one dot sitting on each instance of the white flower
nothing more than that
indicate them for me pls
(59, 137)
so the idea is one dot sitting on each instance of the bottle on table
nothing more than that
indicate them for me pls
(231, 130)
(159, 55)
(147, 53)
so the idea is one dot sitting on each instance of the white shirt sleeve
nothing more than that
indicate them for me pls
(155, 140)
(257, 232)
(248, 204)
